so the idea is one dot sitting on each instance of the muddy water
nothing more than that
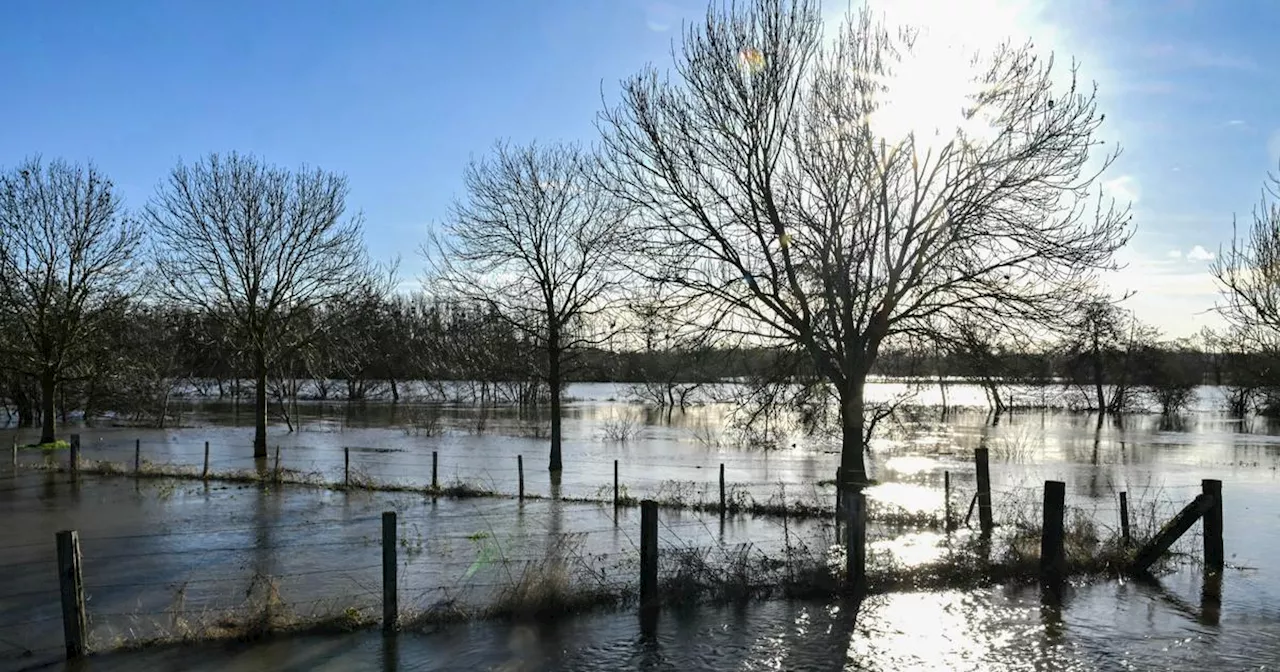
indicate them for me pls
(159, 552)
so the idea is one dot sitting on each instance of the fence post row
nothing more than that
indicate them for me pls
(1124, 519)
(1052, 558)
(390, 601)
(1213, 560)
(981, 457)
(946, 501)
(648, 553)
(70, 581)
(75, 454)
(722, 507)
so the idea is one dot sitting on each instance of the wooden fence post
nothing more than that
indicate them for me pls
(205, 474)
(855, 538)
(15, 454)
(615, 490)
(1124, 519)
(722, 509)
(277, 471)
(946, 501)
(1052, 559)
(980, 457)
(435, 463)
(520, 473)
(648, 552)
(346, 466)
(390, 601)
(137, 457)
(75, 454)
(1147, 555)
(1213, 560)
(74, 622)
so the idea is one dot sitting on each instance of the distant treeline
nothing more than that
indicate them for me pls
(365, 348)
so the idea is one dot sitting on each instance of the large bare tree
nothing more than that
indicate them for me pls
(259, 248)
(774, 190)
(537, 240)
(66, 262)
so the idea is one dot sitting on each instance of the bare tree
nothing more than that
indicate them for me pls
(771, 191)
(537, 241)
(1249, 270)
(66, 263)
(260, 247)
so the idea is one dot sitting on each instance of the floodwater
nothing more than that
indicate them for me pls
(163, 555)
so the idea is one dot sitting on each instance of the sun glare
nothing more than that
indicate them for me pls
(937, 80)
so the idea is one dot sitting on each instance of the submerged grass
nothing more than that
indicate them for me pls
(262, 614)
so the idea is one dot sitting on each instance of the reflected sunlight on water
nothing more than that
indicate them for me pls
(908, 496)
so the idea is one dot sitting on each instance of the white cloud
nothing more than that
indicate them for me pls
(1236, 122)
(1124, 189)
(1168, 293)
(1198, 253)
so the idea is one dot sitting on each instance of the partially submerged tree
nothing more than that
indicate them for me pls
(774, 190)
(67, 263)
(260, 248)
(538, 241)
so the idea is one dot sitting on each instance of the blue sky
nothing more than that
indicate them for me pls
(398, 95)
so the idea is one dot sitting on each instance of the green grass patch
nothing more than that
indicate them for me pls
(53, 445)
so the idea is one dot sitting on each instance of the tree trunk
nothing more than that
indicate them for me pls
(553, 381)
(48, 387)
(260, 405)
(1097, 377)
(852, 422)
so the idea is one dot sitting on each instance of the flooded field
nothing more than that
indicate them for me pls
(161, 554)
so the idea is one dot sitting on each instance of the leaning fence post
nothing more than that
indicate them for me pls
(980, 457)
(390, 603)
(435, 463)
(346, 466)
(75, 454)
(1124, 519)
(1213, 560)
(277, 472)
(74, 622)
(722, 509)
(648, 552)
(855, 538)
(205, 473)
(520, 474)
(1052, 559)
(946, 501)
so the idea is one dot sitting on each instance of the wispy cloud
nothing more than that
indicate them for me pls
(1124, 189)
(661, 17)
(1194, 56)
